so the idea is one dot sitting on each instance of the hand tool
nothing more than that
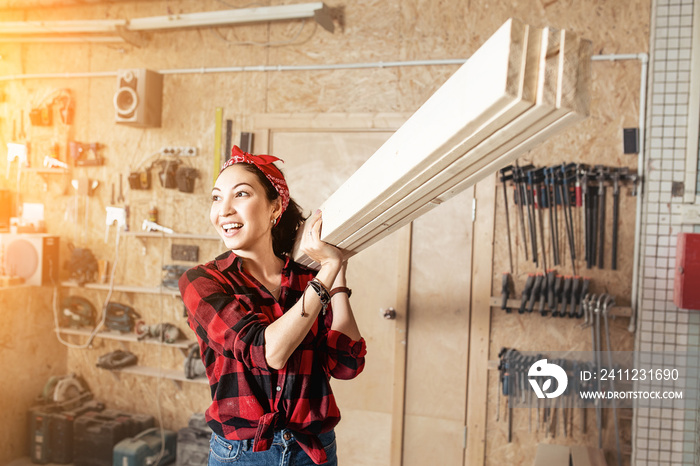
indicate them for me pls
(121, 190)
(565, 296)
(543, 296)
(616, 175)
(598, 348)
(551, 290)
(509, 387)
(527, 289)
(501, 369)
(602, 175)
(582, 175)
(147, 225)
(507, 175)
(520, 177)
(607, 304)
(535, 293)
(506, 286)
(565, 173)
(592, 221)
(558, 289)
(532, 219)
(535, 179)
(582, 294)
(575, 296)
(578, 202)
(548, 200)
(555, 202)
(518, 197)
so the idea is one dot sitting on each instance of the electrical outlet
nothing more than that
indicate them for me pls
(179, 151)
(184, 252)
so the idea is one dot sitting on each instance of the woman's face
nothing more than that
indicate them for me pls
(240, 211)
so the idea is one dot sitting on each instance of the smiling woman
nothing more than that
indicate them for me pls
(270, 331)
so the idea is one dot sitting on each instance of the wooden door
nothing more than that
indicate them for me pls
(317, 162)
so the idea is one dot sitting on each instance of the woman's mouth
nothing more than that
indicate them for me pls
(231, 228)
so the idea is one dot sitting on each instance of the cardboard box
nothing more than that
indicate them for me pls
(568, 455)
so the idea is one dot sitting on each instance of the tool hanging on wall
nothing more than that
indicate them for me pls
(579, 193)
(507, 175)
(85, 154)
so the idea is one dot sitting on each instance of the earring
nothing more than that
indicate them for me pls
(273, 221)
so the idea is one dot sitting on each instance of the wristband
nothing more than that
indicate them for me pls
(341, 289)
(322, 293)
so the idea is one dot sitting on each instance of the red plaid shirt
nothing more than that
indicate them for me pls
(229, 311)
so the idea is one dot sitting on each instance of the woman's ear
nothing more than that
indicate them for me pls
(277, 209)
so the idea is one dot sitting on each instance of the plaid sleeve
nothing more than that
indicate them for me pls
(346, 358)
(222, 319)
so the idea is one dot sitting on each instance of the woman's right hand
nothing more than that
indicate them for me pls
(318, 250)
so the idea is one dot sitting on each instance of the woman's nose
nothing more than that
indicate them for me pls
(226, 209)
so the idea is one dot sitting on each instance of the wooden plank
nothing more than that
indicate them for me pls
(545, 59)
(400, 343)
(480, 322)
(485, 91)
(555, 70)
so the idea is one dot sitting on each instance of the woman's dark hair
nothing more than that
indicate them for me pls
(284, 233)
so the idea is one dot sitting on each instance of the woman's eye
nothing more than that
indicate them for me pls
(241, 194)
(215, 197)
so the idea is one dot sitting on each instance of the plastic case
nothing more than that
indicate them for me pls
(145, 449)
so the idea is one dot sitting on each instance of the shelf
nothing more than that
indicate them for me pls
(158, 234)
(46, 171)
(181, 344)
(514, 304)
(124, 288)
(176, 376)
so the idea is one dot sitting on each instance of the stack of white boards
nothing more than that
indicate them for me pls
(523, 85)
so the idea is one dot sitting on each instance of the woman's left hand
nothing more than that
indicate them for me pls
(314, 247)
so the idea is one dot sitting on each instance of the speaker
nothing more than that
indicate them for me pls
(139, 97)
(34, 257)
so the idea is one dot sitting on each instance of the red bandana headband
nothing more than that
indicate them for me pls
(265, 165)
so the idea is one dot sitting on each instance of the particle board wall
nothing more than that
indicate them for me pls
(367, 31)
(29, 355)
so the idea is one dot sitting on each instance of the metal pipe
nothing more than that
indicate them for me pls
(265, 68)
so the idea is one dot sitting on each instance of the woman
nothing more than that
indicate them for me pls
(271, 332)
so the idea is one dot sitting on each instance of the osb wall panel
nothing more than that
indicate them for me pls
(368, 30)
(597, 140)
(29, 356)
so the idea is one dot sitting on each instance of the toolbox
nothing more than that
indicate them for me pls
(94, 438)
(40, 433)
(61, 431)
(137, 423)
(193, 442)
(153, 446)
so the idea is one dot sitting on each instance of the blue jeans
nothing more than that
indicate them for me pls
(285, 451)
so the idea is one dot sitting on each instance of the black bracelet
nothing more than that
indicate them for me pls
(322, 293)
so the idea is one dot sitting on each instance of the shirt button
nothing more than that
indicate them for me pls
(279, 389)
(287, 436)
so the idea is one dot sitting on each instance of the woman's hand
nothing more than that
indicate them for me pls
(318, 250)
